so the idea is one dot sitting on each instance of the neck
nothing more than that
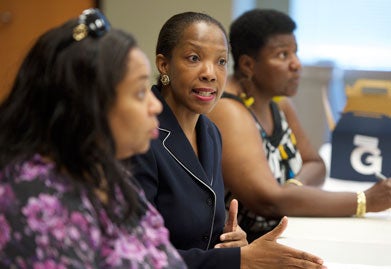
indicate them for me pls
(189, 128)
(236, 85)
(233, 85)
(187, 121)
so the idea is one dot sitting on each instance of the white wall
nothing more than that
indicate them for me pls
(308, 102)
(144, 18)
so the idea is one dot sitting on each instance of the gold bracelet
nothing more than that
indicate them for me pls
(361, 204)
(294, 181)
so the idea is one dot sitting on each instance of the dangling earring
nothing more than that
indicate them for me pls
(245, 84)
(165, 80)
(248, 101)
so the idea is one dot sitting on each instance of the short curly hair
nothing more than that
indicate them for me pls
(250, 31)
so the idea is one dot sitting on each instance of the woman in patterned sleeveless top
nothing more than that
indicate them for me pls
(268, 162)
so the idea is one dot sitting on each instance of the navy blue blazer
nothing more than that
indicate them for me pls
(187, 190)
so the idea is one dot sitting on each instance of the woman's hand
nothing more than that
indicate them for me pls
(379, 196)
(265, 252)
(233, 235)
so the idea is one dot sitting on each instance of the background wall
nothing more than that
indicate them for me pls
(144, 18)
(282, 5)
(21, 22)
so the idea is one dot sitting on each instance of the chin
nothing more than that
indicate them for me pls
(144, 149)
(292, 92)
(132, 152)
(206, 110)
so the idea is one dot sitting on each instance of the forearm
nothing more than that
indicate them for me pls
(306, 201)
(303, 201)
(312, 173)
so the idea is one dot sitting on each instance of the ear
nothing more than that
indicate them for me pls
(246, 65)
(162, 64)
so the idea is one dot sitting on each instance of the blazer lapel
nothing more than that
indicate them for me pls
(206, 148)
(177, 144)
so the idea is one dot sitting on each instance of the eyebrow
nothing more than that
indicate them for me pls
(192, 44)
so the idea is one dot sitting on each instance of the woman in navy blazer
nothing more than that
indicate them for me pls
(186, 189)
(181, 173)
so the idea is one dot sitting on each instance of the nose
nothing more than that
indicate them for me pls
(295, 63)
(155, 106)
(208, 72)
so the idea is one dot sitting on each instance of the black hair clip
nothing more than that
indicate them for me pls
(91, 22)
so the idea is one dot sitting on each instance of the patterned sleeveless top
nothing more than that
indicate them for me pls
(284, 161)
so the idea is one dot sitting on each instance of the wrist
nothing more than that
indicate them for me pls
(294, 181)
(244, 262)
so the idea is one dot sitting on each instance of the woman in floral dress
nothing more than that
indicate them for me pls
(81, 102)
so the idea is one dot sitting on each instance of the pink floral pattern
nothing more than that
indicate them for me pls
(48, 222)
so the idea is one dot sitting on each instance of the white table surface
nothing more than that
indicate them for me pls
(365, 241)
(343, 242)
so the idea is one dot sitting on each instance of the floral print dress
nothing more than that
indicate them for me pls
(48, 221)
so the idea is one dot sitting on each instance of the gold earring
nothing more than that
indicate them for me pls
(165, 80)
(248, 101)
(245, 84)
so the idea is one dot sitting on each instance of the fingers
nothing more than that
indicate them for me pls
(232, 221)
(232, 236)
(307, 257)
(294, 258)
(238, 238)
(302, 259)
(305, 264)
(277, 231)
(234, 239)
(379, 196)
(232, 244)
